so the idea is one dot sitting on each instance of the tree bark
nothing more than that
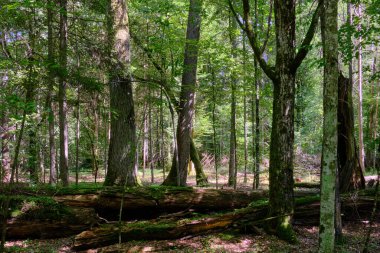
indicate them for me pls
(360, 92)
(63, 128)
(149, 202)
(329, 163)
(186, 103)
(122, 148)
(283, 78)
(350, 173)
(51, 118)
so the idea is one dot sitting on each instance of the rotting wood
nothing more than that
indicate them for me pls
(306, 213)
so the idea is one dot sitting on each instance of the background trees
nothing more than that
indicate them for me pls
(68, 72)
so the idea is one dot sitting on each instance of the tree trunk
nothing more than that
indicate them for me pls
(78, 220)
(63, 128)
(200, 176)
(145, 141)
(77, 138)
(150, 123)
(122, 148)
(283, 77)
(5, 137)
(232, 165)
(371, 153)
(51, 119)
(360, 92)
(350, 173)
(256, 130)
(186, 103)
(329, 163)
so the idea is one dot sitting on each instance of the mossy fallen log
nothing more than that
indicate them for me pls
(79, 219)
(152, 201)
(42, 217)
(307, 212)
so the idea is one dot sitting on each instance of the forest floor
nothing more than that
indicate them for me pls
(226, 241)
(306, 170)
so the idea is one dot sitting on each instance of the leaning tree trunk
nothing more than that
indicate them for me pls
(350, 174)
(186, 103)
(122, 147)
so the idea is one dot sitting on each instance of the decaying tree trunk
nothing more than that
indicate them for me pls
(79, 220)
(149, 203)
(170, 228)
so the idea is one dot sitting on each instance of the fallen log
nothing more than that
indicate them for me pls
(153, 201)
(79, 220)
(307, 212)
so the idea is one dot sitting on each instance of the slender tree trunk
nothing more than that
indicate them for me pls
(77, 138)
(256, 117)
(162, 135)
(216, 154)
(31, 104)
(51, 120)
(122, 148)
(145, 141)
(257, 157)
(329, 28)
(245, 113)
(232, 166)
(151, 158)
(5, 137)
(360, 92)
(372, 121)
(63, 128)
(186, 106)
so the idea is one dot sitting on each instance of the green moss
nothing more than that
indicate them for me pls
(285, 231)
(259, 203)
(307, 200)
(30, 208)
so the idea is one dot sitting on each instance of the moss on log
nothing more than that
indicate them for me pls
(307, 213)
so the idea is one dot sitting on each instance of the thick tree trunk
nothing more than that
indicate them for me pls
(186, 103)
(148, 202)
(122, 147)
(63, 128)
(350, 173)
(329, 163)
(200, 176)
